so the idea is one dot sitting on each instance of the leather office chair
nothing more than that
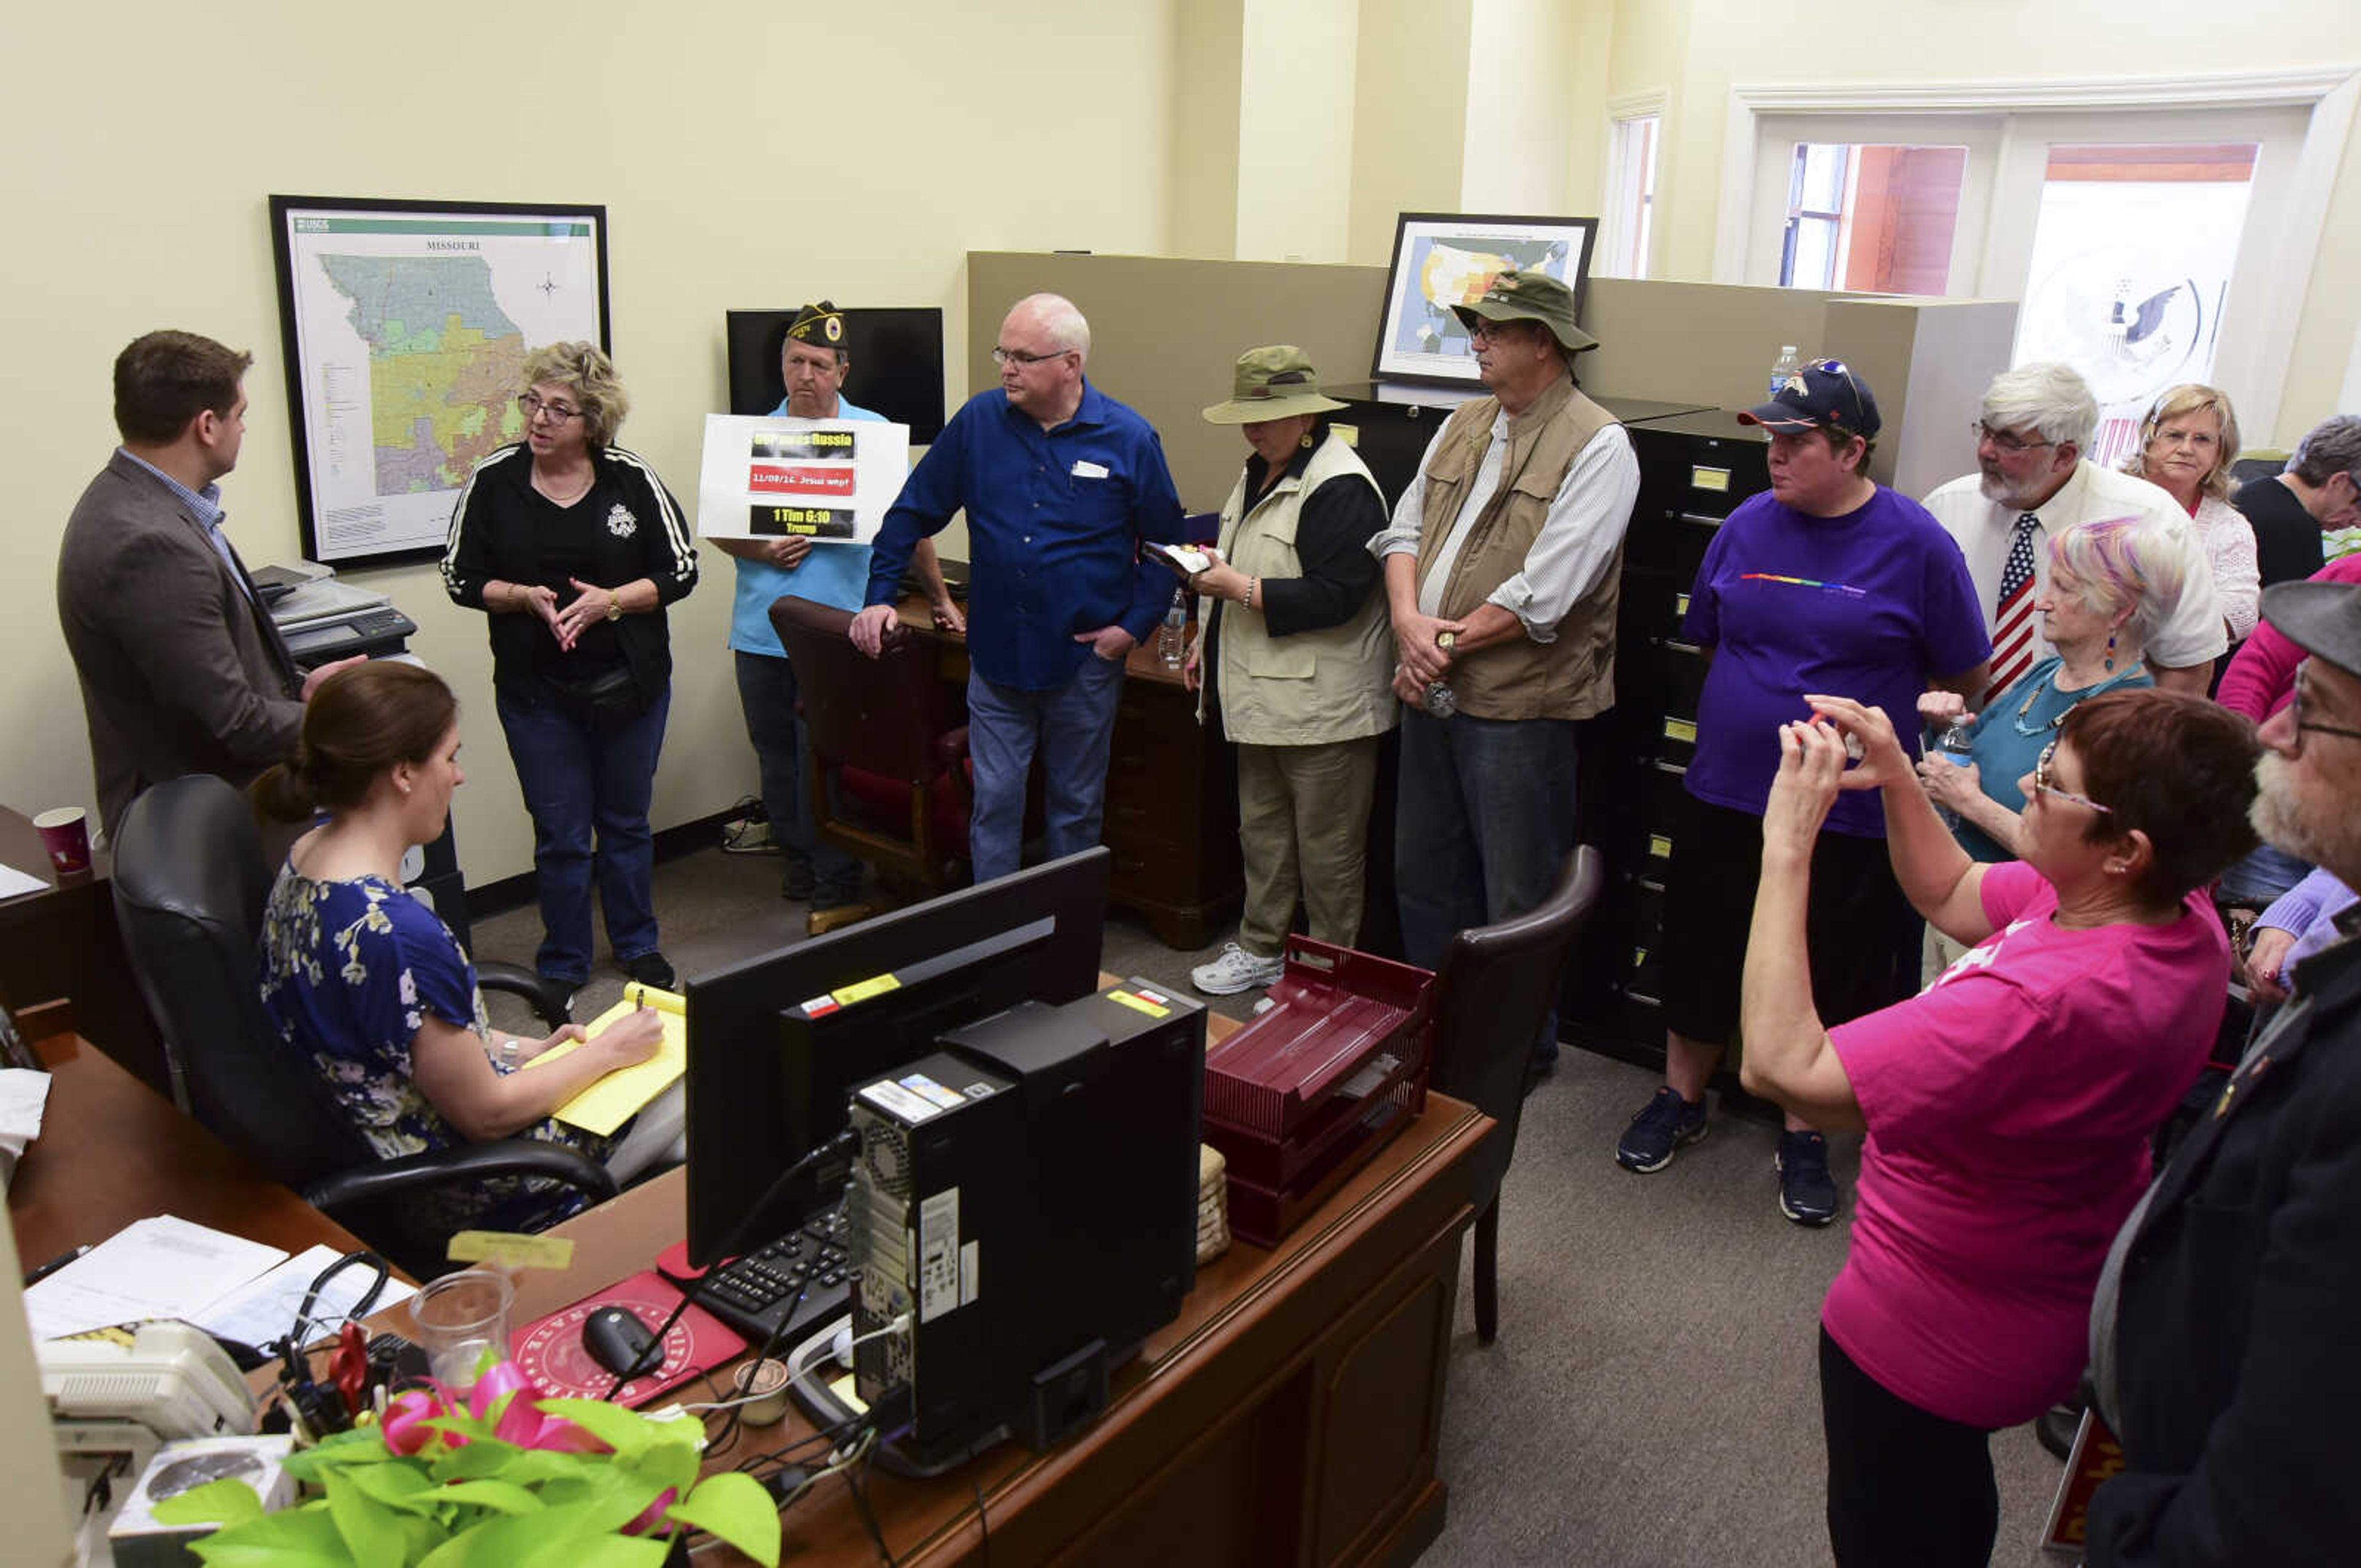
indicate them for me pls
(888, 725)
(189, 886)
(1496, 986)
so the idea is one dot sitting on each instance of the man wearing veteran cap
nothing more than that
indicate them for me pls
(1060, 483)
(2222, 1337)
(814, 360)
(1297, 659)
(1826, 582)
(1500, 570)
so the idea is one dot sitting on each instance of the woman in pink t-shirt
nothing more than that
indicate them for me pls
(2008, 1106)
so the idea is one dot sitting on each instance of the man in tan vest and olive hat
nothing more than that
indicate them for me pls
(1500, 571)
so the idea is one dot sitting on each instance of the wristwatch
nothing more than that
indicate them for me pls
(614, 605)
(509, 1044)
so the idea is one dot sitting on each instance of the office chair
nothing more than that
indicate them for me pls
(189, 886)
(888, 726)
(1496, 984)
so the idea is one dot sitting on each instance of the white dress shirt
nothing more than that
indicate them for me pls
(2189, 633)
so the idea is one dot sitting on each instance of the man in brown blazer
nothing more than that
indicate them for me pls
(181, 670)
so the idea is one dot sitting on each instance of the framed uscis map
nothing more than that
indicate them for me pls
(405, 325)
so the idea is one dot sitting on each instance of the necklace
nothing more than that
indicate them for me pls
(574, 493)
(2051, 684)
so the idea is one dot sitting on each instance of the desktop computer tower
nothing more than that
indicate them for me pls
(1028, 1195)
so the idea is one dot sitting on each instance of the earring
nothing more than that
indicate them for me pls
(2111, 650)
(1305, 441)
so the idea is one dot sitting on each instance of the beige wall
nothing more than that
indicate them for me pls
(1698, 50)
(149, 135)
(1295, 129)
(1207, 44)
(1410, 113)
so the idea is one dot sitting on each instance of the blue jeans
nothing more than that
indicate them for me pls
(1071, 726)
(2257, 882)
(766, 690)
(579, 775)
(1483, 823)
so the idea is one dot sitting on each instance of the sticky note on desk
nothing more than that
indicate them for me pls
(615, 1098)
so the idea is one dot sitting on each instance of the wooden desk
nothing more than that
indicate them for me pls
(1290, 1415)
(111, 1150)
(1172, 797)
(63, 942)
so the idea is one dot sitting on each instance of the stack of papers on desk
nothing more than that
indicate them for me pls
(168, 1268)
(14, 884)
(24, 1095)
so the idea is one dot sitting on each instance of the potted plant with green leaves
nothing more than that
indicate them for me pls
(502, 1480)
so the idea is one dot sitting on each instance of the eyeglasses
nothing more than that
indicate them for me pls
(1018, 356)
(2197, 438)
(2295, 711)
(533, 408)
(2006, 440)
(2041, 784)
(1496, 332)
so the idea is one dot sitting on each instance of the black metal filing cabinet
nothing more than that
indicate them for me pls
(1695, 467)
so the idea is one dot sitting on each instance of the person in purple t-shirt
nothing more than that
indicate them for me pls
(1831, 581)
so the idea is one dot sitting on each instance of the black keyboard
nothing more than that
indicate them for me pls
(804, 1279)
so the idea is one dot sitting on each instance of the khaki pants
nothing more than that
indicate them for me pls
(1304, 824)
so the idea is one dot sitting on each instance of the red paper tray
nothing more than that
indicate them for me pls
(1305, 1093)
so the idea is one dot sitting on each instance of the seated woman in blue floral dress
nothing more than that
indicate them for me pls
(369, 984)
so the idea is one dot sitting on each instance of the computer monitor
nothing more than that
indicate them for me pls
(777, 1044)
(896, 364)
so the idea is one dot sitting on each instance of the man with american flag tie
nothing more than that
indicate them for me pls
(2032, 482)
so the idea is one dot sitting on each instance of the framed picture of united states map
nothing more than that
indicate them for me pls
(405, 325)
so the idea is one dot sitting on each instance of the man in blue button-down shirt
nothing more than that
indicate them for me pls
(1060, 482)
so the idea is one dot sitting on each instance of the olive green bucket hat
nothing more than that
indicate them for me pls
(1277, 382)
(1528, 297)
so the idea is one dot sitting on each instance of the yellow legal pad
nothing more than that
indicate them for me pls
(614, 1099)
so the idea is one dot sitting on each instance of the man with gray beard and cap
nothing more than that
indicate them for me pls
(2221, 1340)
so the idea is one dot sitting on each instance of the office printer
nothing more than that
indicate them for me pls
(324, 620)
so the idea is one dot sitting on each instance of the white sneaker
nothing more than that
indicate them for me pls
(1236, 969)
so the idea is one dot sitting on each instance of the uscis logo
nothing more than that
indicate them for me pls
(621, 522)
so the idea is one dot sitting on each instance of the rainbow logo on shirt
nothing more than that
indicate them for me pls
(1845, 588)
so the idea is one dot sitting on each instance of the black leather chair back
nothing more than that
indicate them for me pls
(886, 715)
(190, 886)
(1496, 986)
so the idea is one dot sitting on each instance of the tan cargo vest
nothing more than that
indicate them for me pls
(1573, 677)
(1314, 686)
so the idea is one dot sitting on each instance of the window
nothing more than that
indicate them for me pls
(1630, 194)
(1869, 218)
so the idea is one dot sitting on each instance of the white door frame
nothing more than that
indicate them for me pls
(2331, 93)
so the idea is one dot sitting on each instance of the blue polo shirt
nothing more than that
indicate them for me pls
(1054, 518)
(830, 574)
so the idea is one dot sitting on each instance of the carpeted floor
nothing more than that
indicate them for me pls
(1653, 1397)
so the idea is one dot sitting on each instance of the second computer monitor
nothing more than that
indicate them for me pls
(776, 1044)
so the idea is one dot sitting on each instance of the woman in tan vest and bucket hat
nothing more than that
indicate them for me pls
(1297, 657)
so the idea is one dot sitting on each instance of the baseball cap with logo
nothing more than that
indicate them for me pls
(1530, 297)
(1821, 394)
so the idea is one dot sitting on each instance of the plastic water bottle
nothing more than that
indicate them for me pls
(1172, 637)
(1958, 744)
(1789, 361)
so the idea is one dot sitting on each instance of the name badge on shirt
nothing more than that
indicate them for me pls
(1086, 469)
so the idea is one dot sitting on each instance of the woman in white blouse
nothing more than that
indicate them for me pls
(2188, 443)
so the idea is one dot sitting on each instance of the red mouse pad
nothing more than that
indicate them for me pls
(550, 1352)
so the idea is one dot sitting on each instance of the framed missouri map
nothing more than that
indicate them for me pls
(405, 325)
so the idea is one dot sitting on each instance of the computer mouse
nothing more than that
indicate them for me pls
(617, 1340)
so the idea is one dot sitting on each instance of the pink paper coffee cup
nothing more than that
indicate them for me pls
(65, 834)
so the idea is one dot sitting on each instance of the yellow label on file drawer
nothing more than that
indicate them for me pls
(1680, 730)
(1705, 478)
(1680, 603)
(1660, 847)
